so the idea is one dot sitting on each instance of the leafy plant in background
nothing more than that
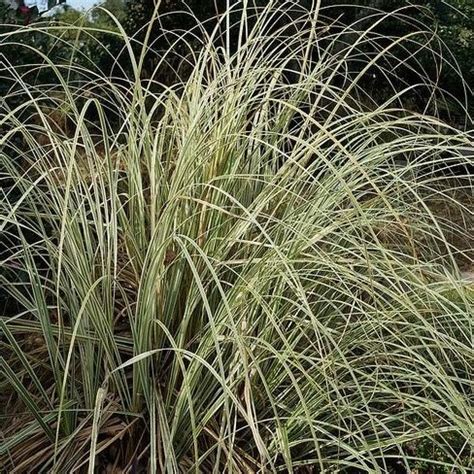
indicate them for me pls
(453, 21)
(98, 48)
(245, 271)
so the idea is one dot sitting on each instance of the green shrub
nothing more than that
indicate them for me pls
(238, 273)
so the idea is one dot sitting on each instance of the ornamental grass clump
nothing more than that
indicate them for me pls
(242, 271)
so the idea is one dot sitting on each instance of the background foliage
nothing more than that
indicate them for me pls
(453, 22)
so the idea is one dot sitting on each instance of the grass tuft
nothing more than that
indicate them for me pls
(250, 270)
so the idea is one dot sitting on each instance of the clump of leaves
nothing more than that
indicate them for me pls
(238, 273)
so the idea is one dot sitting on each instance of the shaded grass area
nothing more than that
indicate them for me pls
(250, 271)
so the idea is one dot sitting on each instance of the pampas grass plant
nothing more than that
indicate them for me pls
(243, 271)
